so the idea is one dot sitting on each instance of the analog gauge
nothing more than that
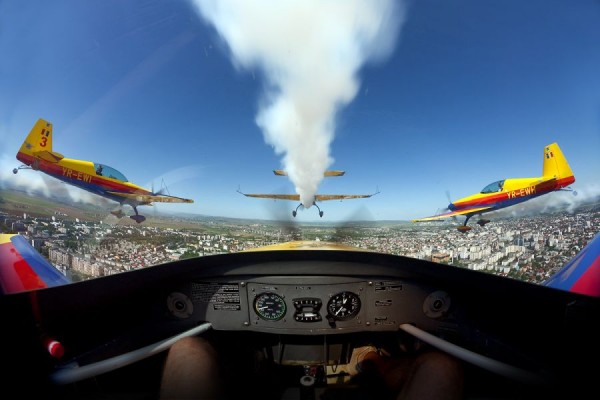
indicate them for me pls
(343, 306)
(270, 306)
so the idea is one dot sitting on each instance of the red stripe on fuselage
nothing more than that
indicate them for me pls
(520, 195)
(101, 184)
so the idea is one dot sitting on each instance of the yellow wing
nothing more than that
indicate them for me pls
(148, 198)
(324, 197)
(281, 172)
(318, 197)
(274, 196)
(452, 214)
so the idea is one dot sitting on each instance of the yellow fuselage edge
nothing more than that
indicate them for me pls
(307, 245)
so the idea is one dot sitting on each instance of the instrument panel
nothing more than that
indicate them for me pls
(311, 304)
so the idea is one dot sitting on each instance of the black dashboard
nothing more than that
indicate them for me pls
(310, 305)
(304, 297)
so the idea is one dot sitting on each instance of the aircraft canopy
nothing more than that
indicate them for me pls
(109, 172)
(493, 187)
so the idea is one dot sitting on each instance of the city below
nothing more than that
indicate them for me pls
(86, 243)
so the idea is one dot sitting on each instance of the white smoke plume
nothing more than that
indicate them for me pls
(310, 52)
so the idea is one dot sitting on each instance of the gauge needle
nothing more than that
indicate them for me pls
(262, 308)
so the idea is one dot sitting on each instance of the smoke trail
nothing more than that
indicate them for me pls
(310, 52)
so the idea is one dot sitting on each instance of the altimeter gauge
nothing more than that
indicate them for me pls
(343, 306)
(270, 306)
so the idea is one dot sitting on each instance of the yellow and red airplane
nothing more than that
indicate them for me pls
(556, 175)
(36, 153)
(317, 197)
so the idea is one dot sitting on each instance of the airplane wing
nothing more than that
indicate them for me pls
(452, 214)
(274, 196)
(582, 273)
(318, 197)
(280, 172)
(324, 197)
(149, 198)
(22, 268)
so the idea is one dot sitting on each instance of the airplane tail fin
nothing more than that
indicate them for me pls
(39, 138)
(556, 165)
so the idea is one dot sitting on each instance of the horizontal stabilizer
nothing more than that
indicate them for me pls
(280, 172)
(50, 156)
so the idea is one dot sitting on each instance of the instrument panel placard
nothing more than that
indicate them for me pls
(223, 296)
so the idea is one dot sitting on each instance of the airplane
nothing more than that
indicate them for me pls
(556, 175)
(317, 197)
(107, 337)
(36, 153)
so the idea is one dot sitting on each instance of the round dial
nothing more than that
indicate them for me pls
(343, 306)
(270, 306)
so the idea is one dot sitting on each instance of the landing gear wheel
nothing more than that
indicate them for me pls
(321, 214)
(138, 218)
(293, 213)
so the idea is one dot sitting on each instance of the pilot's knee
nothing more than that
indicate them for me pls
(194, 345)
(440, 364)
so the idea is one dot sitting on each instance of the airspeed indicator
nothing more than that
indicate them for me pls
(270, 306)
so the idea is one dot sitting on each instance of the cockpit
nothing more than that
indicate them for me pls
(109, 172)
(493, 187)
(298, 311)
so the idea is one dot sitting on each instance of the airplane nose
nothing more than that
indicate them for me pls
(451, 207)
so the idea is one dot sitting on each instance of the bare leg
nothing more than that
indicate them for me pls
(434, 375)
(191, 371)
(429, 375)
(394, 370)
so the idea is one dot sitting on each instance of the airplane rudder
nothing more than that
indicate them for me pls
(39, 138)
(555, 163)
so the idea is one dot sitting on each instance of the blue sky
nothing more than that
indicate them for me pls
(465, 93)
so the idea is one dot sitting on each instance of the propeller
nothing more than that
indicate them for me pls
(345, 231)
(281, 214)
(442, 210)
(163, 190)
(292, 230)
